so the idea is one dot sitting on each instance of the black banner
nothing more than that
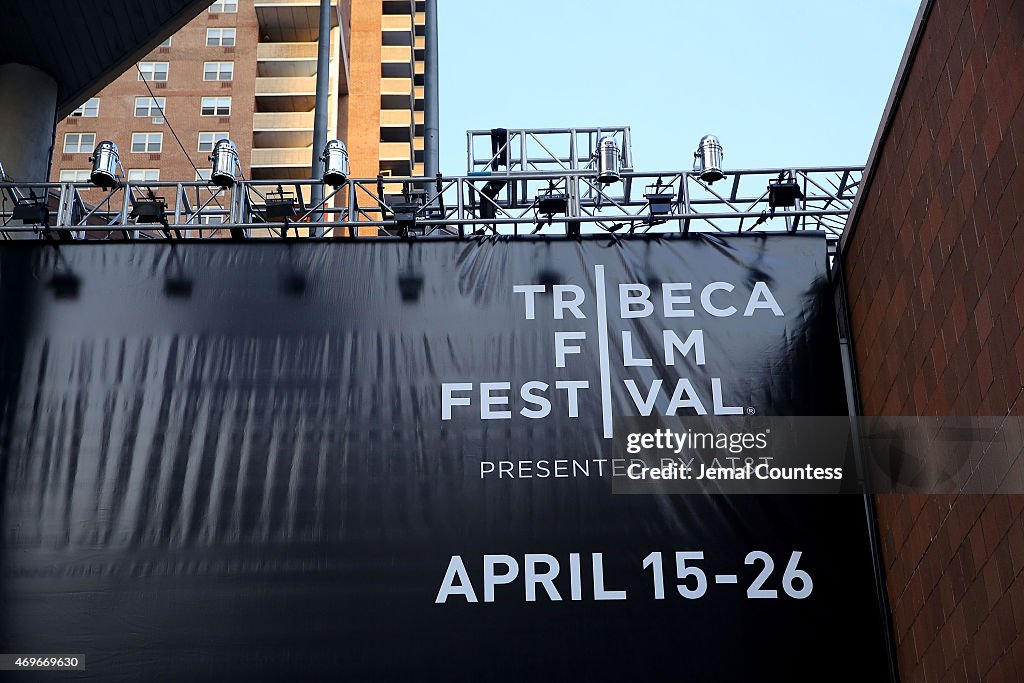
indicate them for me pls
(383, 460)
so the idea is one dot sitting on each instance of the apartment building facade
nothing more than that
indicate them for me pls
(246, 70)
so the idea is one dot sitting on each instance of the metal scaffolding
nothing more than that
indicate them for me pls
(519, 182)
(572, 202)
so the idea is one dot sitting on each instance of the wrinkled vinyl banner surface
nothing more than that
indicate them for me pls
(382, 461)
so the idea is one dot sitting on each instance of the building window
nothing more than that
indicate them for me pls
(147, 142)
(166, 43)
(152, 71)
(207, 219)
(81, 176)
(203, 175)
(150, 107)
(208, 140)
(143, 175)
(218, 71)
(90, 109)
(216, 106)
(79, 143)
(220, 37)
(228, 6)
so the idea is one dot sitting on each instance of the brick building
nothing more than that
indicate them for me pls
(246, 70)
(933, 259)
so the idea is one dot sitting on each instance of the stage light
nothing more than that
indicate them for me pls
(659, 203)
(31, 212)
(105, 160)
(783, 192)
(405, 217)
(336, 163)
(281, 206)
(608, 160)
(152, 209)
(225, 169)
(708, 159)
(551, 203)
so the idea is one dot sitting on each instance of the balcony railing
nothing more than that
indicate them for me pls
(396, 53)
(281, 157)
(268, 51)
(395, 86)
(396, 117)
(283, 120)
(283, 85)
(396, 22)
(395, 151)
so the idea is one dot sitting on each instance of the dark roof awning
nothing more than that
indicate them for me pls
(84, 45)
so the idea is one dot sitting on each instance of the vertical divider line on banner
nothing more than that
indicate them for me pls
(602, 342)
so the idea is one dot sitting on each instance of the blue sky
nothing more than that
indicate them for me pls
(794, 83)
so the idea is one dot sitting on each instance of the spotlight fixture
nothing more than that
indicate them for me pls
(550, 203)
(152, 209)
(708, 159)
(608, 160)
(783, 192)
(405, 217)
(281, 206)
(225, 169)
(659, 203)
(105, 160)
(336, 163)
(31, 211)
(659, 198)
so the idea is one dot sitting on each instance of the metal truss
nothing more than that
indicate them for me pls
(530, 150)
(568, 202)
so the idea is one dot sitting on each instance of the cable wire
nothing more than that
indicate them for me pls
(163, 115)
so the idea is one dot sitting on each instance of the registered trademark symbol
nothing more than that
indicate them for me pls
(750, 411)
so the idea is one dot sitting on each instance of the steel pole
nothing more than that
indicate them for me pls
(323, 81)
(431, 146)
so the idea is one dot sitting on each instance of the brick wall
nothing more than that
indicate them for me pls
(933, 266)
(184, 91)
(364, 92)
